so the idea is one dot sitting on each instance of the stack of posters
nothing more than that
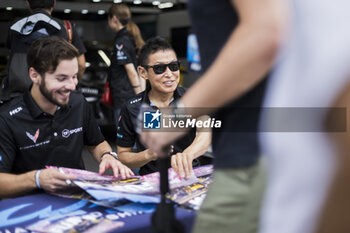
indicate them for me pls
(137, 191)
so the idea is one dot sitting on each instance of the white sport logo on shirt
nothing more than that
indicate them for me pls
(66, 132)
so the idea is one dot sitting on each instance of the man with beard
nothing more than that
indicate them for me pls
(49, 125)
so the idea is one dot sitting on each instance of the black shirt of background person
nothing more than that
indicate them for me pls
(13, 38)
(126, 135)
(31, 138)
(236, 143)
(18, 80)
(124, 52)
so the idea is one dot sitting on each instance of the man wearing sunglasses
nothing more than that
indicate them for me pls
(159, 66)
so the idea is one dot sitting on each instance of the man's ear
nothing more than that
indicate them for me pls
(142, 72)
(34, 75)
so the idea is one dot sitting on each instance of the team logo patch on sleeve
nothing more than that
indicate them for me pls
(120, 54)
(119, 47)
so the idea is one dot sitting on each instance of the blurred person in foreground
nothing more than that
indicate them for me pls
(159, 66)
(238, 43)
(49, 125)
(308, 150)
(21, 35)
(123, 78)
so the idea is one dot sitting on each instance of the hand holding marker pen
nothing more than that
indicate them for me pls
(68, 182)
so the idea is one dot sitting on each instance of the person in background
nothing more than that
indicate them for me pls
(23, 32)
(49, 125)
(238, 43)
(123, 78)
(306, 135)
(159, 66)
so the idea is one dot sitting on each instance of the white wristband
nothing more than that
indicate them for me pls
(37, 181)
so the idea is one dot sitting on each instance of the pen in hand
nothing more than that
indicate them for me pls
(68, 182)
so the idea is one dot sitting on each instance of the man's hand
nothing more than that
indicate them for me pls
(182, 164)
(53, 180)
(158, 142)
(109, 161)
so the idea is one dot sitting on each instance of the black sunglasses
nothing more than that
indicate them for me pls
(160, 68)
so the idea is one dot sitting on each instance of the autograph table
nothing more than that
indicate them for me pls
(17, 213)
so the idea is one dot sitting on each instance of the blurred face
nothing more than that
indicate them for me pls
(56, 87)
(167, 81)
(113, 23)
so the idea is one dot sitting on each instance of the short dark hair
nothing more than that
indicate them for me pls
(152, 46)
(45, 53)
(41, 4)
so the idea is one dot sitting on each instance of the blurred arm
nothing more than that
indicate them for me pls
(246, 57)
(242, 63)
(336, 211)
